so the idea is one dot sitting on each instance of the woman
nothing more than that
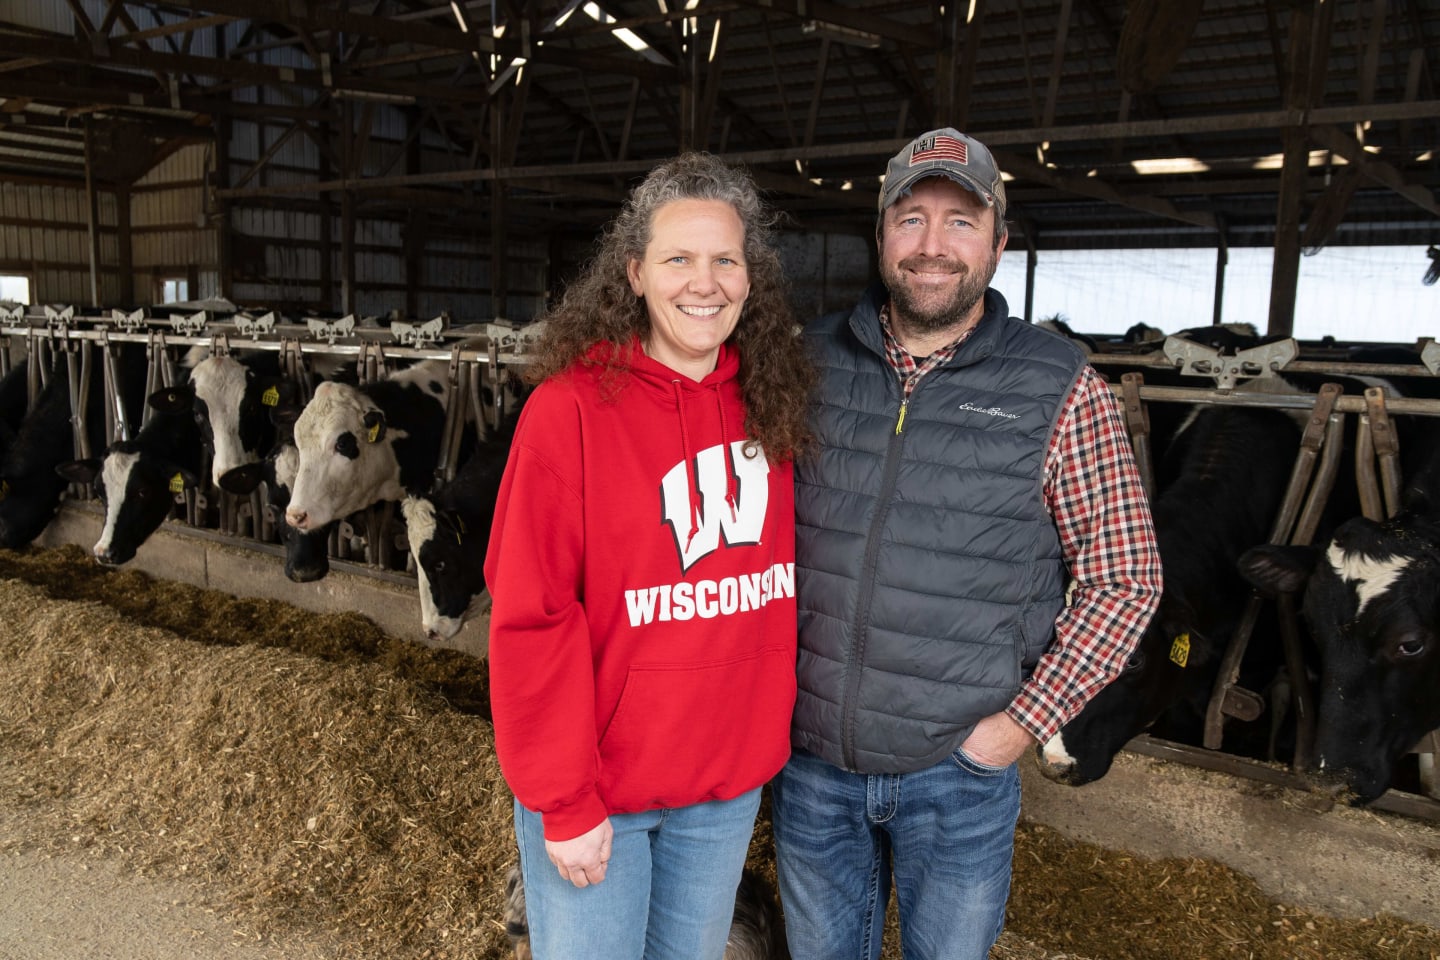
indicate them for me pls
(642, 638)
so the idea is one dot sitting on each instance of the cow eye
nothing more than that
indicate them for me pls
(440, 566)
(347, 446)
(1411, 646)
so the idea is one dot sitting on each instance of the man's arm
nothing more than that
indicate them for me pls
(1094, 492)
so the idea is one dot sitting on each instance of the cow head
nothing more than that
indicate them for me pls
(138, 491)
(1173, 664)
(1372, 602)
(27, 505)
(443, 550)
(346, 458)
(233, 406)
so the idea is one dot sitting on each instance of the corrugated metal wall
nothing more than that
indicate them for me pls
(44, 234)
(171, 232)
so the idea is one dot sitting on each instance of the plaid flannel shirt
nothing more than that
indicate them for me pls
(1093, 491)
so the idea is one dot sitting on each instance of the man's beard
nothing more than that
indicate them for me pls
(930, 311)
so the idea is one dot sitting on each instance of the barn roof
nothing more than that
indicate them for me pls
(1147, 123)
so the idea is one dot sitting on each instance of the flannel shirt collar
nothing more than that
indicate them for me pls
(903, 363)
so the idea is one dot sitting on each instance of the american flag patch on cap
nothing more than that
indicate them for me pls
(939, 147)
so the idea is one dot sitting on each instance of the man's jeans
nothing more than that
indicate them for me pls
(669, 891)
(948, 833)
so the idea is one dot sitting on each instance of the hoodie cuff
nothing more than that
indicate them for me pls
(571, 820)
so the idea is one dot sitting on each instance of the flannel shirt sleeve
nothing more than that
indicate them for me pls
(1094, 492)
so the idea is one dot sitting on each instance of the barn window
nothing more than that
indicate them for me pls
(174, 289)
(15, 287)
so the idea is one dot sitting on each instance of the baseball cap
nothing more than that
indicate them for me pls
(945, 152)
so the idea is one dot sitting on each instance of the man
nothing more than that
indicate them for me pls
(969, 466)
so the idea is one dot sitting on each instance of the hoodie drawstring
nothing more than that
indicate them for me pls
(732, 490)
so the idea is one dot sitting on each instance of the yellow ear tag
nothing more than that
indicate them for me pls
(1180, 649)
(177, 484)
(374, 433)
(270, 397)
(4, 489)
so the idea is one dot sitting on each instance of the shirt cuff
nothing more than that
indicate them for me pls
(1038, 713)
(571, 820)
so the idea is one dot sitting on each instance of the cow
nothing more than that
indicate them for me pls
(1222, 480)
(231, 403)
(756, 930)
(307, 554)
(1371, 599)
(30, 489)
(361, 445)
(137, 479)
(1059, 326)
(447, 532)
(14, 397)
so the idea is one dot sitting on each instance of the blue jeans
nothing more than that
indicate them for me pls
(947, 832)
(669, 891)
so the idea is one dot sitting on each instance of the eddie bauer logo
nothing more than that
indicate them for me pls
(989, 411)
(742, 525)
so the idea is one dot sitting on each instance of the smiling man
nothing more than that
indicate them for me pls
(969, 465)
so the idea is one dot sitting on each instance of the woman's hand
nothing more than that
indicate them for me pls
(583, 859)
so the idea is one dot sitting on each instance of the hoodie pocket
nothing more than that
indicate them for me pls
(683, 734)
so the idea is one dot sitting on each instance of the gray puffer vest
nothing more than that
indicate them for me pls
(928, 572)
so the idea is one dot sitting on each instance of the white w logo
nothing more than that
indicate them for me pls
(743, 525)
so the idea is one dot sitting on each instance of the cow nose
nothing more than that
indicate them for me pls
(433, 635)
(296, 518)
(103, 556)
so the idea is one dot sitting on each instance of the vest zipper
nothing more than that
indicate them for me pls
(855, 666)
(900, 424)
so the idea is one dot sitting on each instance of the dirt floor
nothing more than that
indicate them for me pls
(185, 774)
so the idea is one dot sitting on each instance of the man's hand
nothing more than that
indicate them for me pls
(997, 741)
(583, 860)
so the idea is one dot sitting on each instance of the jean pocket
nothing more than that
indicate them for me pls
(964, 761)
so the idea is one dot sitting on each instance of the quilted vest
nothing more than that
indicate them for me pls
(929, 572)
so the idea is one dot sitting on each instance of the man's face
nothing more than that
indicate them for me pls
(937, 254)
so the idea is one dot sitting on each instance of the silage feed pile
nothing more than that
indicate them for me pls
(324, 777)
(316, 793)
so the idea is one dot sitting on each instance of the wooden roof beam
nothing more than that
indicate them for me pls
(1374, 168)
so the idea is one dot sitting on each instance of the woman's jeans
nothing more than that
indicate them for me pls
(668, 893)
(947, 832)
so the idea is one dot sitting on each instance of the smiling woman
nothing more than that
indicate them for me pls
(641, 560)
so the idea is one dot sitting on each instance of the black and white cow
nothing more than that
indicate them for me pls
(307, 554)
(137, 479)
(361, 445)
(1372, 603)
(448, 532)
(1222, 480)
(30, 489)
(232, 403)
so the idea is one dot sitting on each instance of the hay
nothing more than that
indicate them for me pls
(328, 777)
(317, 794)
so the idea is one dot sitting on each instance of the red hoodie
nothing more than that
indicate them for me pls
(642, 637)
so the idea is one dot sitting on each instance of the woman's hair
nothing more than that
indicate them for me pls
(599, 306)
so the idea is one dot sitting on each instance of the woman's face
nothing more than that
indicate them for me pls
(694, 281)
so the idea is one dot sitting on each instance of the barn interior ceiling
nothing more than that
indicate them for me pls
(1122, 122)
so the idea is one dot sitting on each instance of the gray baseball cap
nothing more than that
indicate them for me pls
(945, 152)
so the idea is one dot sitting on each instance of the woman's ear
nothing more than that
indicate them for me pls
(632, 270)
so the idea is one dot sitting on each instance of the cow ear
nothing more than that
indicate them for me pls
(1277, 569)
(172, 399)
(79, 471)
(375, 426)
(242, 480)
(182, 479)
